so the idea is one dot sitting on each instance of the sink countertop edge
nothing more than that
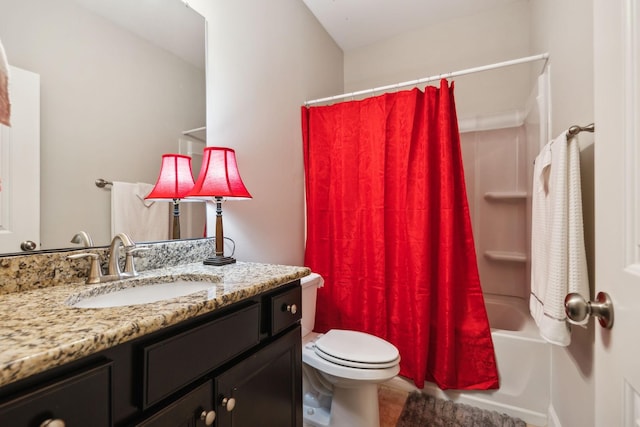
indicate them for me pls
(39, 331)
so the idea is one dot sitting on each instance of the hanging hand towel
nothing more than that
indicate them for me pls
(558, 259)
(144, 220)
(5, 104)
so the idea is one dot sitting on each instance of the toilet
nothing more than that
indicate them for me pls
(341, 370)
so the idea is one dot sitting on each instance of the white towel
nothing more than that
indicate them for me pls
(5, 104)
(558, 259)
(144, 220)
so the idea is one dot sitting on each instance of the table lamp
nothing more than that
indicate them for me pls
(174, 182)
(219, 178)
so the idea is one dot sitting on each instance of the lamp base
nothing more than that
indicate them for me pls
(219, 260)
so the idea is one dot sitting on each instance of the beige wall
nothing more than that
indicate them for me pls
(564, 28)
(264, 60)
(496, 35)
(111, 104)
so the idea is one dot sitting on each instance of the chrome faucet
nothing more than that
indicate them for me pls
(114, 255)
(113, 268)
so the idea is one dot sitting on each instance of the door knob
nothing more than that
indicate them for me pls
(28, 245)
(578, 309)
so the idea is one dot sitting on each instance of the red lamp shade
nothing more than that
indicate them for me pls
(219, 175)
(175, 179)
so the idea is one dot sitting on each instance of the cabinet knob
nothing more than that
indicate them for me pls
(208, 417)
(53, 423)
(229, 403)
(291, 308)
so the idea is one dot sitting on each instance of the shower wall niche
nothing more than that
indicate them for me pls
(496, 173)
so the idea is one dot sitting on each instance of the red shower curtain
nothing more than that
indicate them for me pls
(388, 228)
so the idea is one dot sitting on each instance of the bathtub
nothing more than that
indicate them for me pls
(523, 360)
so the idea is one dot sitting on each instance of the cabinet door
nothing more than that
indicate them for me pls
(195, 409)
(82, 399)
(264, 389)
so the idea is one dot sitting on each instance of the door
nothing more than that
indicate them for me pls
(617, 210)
(20, 164)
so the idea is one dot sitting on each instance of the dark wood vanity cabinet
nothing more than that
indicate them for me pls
(240, 366)
(264, 389)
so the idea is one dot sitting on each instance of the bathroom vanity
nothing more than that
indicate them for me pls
(227, 357)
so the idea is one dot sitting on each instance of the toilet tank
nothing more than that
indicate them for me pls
(310, 285)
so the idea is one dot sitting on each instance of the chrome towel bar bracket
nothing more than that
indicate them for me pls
(101, 183)
(574, 130)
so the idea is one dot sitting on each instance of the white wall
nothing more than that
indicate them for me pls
(111, 104)
(265, 58)
(564, 28)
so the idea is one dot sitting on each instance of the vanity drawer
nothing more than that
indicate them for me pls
(174, 362)
(80, 399)
(286, 309)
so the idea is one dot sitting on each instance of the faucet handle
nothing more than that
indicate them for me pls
(95, 271)
(129, 265)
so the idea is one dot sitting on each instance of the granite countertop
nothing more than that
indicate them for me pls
(39, 330)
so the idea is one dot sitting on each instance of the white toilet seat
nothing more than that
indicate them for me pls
(311, 358)
(350, 369)
(356, 350)
(353, 364)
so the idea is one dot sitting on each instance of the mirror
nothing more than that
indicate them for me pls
(120, 83)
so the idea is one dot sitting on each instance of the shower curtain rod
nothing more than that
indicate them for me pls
(523, 60)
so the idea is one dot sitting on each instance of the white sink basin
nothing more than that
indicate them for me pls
(145, 294)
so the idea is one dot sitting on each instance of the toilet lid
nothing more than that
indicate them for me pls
(356, 349)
